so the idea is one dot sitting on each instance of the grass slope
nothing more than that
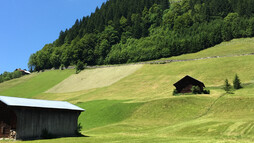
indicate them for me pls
(95, 78)
(34, 85)
(154, 82)
(233, 47)
(112, 111)
(140, 107)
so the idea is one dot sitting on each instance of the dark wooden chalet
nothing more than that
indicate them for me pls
(185, 84)
(22, 118)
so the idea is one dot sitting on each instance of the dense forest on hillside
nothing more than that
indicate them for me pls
(124, 31)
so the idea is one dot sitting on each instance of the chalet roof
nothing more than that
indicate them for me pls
(188, 78)
(23, 102)
(28, 72)
(25, 71)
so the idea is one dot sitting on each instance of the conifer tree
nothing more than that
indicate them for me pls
(227, 87)
(237, 82)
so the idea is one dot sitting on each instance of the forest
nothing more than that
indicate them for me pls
(127, 31)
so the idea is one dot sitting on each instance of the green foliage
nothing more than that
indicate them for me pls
(16, 74)
(32, 62)
(10, 75)
(37, 83)
(175, 92)
(196, 90)
(155, 15)
(138, 114)
(206, 91)
(79, 129)
(80, 66)
(62, 67)
(1, 79)
(250, 29)
(227, 87)
(237, 82)
(124, 31)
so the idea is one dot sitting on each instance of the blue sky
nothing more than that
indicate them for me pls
(27, 25)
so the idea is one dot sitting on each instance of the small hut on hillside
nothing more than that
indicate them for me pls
(29, 118)
(24, 72)
(185, 84)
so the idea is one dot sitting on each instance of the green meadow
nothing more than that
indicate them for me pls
(140, 106)
(229, 48)
(32, 85)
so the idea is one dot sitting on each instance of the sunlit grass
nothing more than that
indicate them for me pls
(34, 84)
(94, 78)
(233, 47)
(140, 107)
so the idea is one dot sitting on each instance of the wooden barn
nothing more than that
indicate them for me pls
(28, 118)
(185, 84)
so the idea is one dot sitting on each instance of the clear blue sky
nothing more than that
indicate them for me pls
(27, 25)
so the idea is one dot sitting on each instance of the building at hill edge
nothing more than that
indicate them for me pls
(24, 72)
(29, 118)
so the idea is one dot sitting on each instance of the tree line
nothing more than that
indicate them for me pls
(10, 75)
(124, 31)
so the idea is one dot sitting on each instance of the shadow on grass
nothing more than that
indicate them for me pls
(54, 137)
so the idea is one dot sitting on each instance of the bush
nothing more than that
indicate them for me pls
(16, 74)
(196, 90)
(79, 128)
(80, 66)
(175, 92)
(227, 87)
(206, 91)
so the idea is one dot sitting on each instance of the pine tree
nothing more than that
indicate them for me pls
(227, 87)
(237, 82)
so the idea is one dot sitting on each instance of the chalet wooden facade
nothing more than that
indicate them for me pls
(27, 118)
(185, 84)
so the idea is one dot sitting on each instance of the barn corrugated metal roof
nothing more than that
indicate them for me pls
(23, 102)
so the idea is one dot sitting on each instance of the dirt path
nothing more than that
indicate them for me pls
(211, 106)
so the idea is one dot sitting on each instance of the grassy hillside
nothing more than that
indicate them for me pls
(140, 107)
(233, 47)
(95, 78)
(34, 84)
(153, 82)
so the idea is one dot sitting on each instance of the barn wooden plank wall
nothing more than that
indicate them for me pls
(32, 121)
